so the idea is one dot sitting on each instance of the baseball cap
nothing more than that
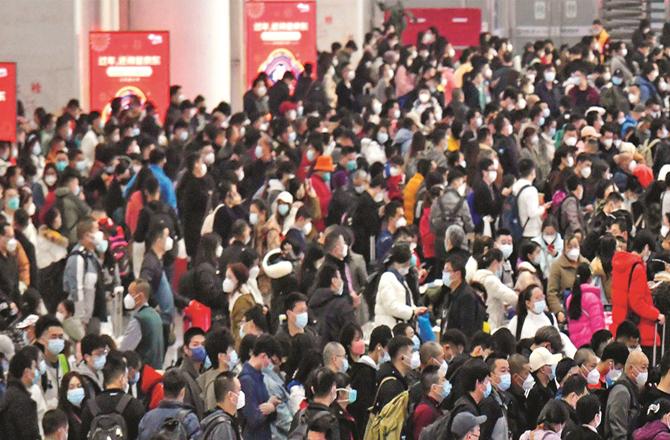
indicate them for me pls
(589, 131)
(541, 357)
(30, 320)
(464, 422)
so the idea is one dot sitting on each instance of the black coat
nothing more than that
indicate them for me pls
(487, 201)
(208, 287)
(466, 312)
(107, 401)
(332, 313)
(19, 413)
(192, 197)
(391, 388)
(365, 223)
(363, 381)
(277, 94)
(584, 433)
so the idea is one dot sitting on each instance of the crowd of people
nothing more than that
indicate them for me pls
(402, 242)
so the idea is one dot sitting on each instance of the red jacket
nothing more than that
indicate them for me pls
(323, 193)
(151, 386)
(638, 297)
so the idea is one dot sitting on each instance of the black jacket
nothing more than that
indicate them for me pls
(277, 94)
(466, 312)
(107, 401)
(151, 271)
(19, 413)
(584, 433)
(363, 381)
(487, 201)
(365, 223)
(391, 388)
(538, 396)
(331, 312)
(155, 214)
(192, 198)
(464, 404)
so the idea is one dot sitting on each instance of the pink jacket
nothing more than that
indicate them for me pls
(592, 319)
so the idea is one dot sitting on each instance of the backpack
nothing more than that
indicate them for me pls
(50, 284)
(208, 223)
(109, 426)
(476, 218)
(370, 291)
(387, 424)
(173, 428)
(209, 428)
(509, 216)
(300, 431)
(118, 247)
(437, 430)
(186, 286)
(563, 224)
(440, 219)
(522, 319)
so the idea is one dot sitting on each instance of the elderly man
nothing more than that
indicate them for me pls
(623, 404)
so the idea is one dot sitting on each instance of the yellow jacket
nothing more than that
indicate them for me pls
(409, 196)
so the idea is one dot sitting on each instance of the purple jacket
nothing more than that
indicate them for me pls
(592, 319)
(655, 430)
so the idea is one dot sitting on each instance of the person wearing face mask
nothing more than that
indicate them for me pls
(280, 92)
(614, 97)
(631, 296)
(584, 308)
(532, 313)
(51, 342)
(495, 406)
(19, 410)
(331, 309)
(241, 300)
(499, 296)
(193, 360)
(571, 217)
(610, 365)
(573, 389)
(144, 332)
(550, 422)
(71, 397)
(255, 100)
(94, 356)
(562, 275)
(590, 416)
(543, 369)
(487, 200)
(393, 219)
(476, 386)
(219, 357)
(463, 309)
(522, 383)
(172, 406)
(260, 406)
(222, 422)
(366, 219)
(657, 424)
(153, 270)
(646, 82)
(623, 403)
(394, 301)
(434, 390)
(71, 205)
(114, 397)
(451, 208)
(320, 182)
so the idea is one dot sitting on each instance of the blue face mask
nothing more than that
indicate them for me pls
(505, 381)
(446, 278)
(487, 391)
(61, 165)
(99, 362)
(385, 358)
(208, 363)
(446, 389)
(36, 378)
(282, 209)
(102, 246)
(135, 379)
(352, 165)
(345, 366)
(13, 203)
(412, 261)
(233, 359)
(326, 177)
(617, 80)
(417, 343)
(301, 320)
(553, 372)
(198, 354)
(75, 396)
(56, 346)
(42, 367)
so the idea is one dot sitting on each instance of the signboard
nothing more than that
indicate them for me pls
(280, 36)
(123, 64)
(8, 102)
(461, 26)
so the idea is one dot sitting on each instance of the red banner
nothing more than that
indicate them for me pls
(461, 26)
(280, 36)
(8, 102)
(123, 64)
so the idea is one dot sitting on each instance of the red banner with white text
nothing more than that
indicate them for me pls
(123, 64)
(8, 102)
(280, 36)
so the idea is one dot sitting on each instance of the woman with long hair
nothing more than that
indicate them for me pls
(585, 310)
(72, 396)
(601, 266)
(206, 282)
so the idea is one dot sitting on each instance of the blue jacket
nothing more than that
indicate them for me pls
(257, 425)
(167, 188)
(647, 89)
(152, 421)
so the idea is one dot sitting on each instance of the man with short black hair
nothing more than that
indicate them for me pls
(94, 356)
(51, 342)
(435, 388)
(260, 406)
(324, 393)
(400, 352)
(220, 348)
(465, 311)
(114, 399)
(574, 388)
(54, 425)
(18, 411)
(222, 423)
(297, 322)
(530, 210)
(193, 360)
(171, 407)
(476, 386)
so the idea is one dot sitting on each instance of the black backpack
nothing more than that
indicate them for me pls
(437, 430)
(173, 428)
(109, 426)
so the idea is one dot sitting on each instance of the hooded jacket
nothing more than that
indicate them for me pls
(635, 298)
(654, 430)
(592, 318)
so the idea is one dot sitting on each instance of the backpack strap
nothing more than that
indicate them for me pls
(630, 275)
(94, 408)
(519, 325)
(182, 414)
(384, 380)
(123, 403)
(523, 227)
(216, 421)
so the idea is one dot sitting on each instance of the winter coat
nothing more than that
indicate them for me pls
(19, 415)
(107, 401)
(226, 427)
(540, 434)
(153, 420)
(324, 194)
(637, 298)
(72, 209)
(654, 430)
(561, 277)
(331, 312)
(394, 301)
(257, 424)
(499, 297)
(592, 318)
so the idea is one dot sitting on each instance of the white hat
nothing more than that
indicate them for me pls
(276, 270)
(541, 357)
(6, 347)
(665, 169)
(27, 322)
(285, 197)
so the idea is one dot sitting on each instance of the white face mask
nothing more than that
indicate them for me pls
(219, 251)
(241, 400)
(169, 243)
(586, 172)
(573, 254)
(129, 302)
(228, 285)
(593, 377)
